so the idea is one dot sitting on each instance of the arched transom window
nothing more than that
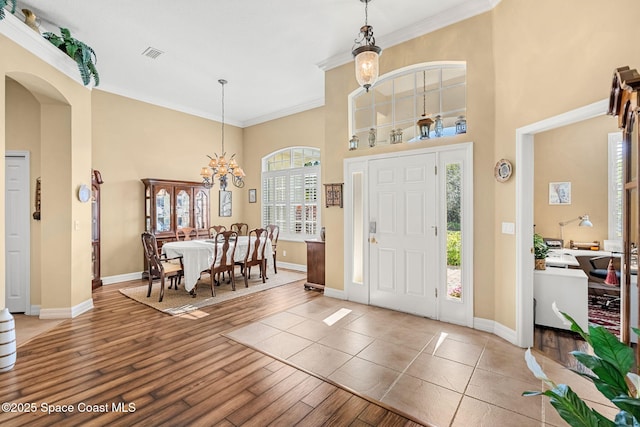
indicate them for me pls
(291, 192)
(392, 108)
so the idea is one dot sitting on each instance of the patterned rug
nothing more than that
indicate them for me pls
(179, 302)
(605, 315)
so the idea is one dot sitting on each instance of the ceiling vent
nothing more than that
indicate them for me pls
(152, 52)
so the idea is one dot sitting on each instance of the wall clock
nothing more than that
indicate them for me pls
(503, 170)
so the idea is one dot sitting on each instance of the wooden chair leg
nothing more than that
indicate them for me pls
(150, 285)
(275, 269)
(213, 284)
(161, 288)
(233, 281)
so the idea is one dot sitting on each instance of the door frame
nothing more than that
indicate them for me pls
(25, 186)
(524, 210)
(356, 201)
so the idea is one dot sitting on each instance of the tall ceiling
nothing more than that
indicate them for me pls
(273, 53)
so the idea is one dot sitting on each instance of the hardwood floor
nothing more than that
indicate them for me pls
(557, 345)
(124, 363)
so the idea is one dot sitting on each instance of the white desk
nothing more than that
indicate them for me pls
(568, 288)
(197, 256)
(560, 258)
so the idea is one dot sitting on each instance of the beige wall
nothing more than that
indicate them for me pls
(550, 57)
(133, 140)
(23, 133)
(64, 140)
(302, 129)
(469, 41)
(576, 154)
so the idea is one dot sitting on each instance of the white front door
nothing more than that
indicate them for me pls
(403, 243)
(17, 235)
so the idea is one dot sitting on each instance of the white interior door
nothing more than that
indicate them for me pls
(17, 232)
(403, 244)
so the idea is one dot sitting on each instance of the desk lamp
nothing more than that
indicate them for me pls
(584, 222)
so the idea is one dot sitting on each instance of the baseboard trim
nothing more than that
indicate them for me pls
(110, 280)
(290, 266)
(66, 312)
(495, 328)
(335, 293)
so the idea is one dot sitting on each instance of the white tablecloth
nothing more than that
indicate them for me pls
(197, 256)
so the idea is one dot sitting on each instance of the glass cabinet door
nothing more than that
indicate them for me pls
(163, 210)
(201, 210)
(183, 209)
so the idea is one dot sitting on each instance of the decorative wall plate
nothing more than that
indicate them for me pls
(503, 170)
(84, 193)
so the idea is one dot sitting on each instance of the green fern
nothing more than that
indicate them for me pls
(79, 51)
(3, 4)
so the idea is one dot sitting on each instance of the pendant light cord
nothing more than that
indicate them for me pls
(222, 82)
(424, 93)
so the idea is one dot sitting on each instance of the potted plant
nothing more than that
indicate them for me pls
(611, 370)
(540, 250)
(84, 55)
(3, 4)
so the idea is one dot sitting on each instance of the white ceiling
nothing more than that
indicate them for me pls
(273, 53)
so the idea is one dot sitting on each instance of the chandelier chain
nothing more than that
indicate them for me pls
(222, 82)
(424, 93)
(366, 13)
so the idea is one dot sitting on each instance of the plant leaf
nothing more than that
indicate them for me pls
(535, 368)
(629, 405)
(610, 349)
(573, 410)
(576, 328)
(609, 380)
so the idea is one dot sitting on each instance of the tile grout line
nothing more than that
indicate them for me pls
(406, 368)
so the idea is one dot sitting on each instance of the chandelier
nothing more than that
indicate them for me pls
(366, 53)
(219, 167)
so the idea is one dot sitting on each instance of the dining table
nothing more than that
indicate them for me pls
(197, 255)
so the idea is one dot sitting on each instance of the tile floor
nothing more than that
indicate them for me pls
(28, 327)
(436, 373)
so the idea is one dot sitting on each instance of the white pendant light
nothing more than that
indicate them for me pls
(366, 53)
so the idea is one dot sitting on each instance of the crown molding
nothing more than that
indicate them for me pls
(285, 112)
(207, 115)
(436, 22)
(18, 32)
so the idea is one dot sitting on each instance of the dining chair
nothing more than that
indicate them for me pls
(215, 229)
(274, 232)
(255, 254)
(223, 258)
(241, 228)
(159, 265)
(186, 233)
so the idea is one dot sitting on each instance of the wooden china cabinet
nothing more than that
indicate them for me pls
(171, 205)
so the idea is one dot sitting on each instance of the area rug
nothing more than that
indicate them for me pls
(605, 315)
(179, 302)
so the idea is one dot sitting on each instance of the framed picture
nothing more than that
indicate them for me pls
(225, 203)
(559, 193)
(333, 194)
(252, 195)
